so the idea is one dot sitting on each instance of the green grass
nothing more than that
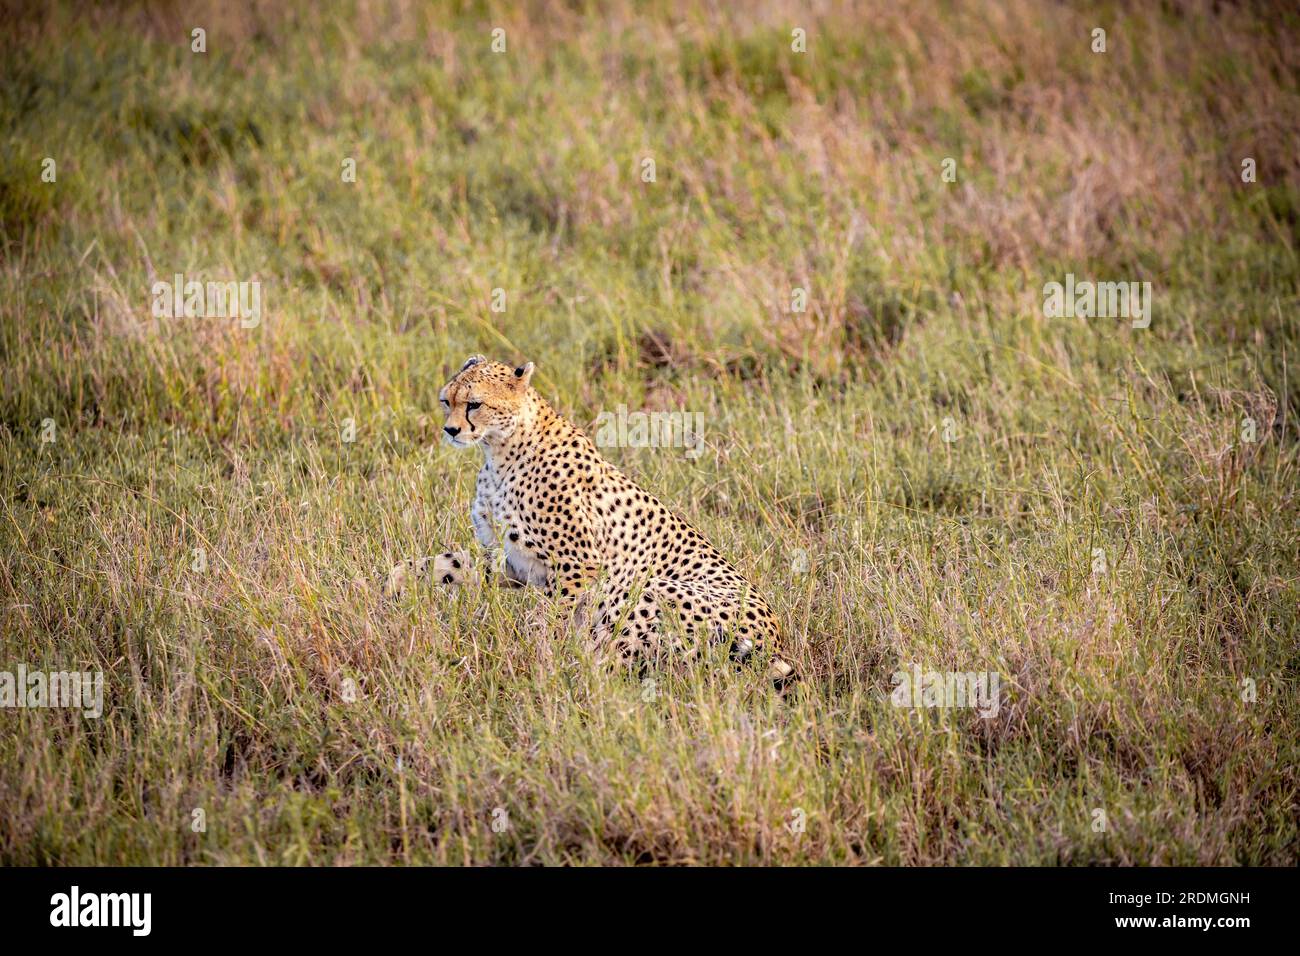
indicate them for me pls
(226, 690)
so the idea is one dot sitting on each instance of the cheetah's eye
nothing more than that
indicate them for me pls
(470, 406)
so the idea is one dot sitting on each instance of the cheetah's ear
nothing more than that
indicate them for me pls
(472, 360)
(523, 375)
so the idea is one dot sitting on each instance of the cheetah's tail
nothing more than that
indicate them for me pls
(783, 675)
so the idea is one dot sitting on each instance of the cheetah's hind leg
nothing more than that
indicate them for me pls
(720, 615)
(665, 622)
(672, 619)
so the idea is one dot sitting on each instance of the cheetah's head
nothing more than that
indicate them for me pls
(484, 401)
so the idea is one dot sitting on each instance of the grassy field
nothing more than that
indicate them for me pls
(919, 467)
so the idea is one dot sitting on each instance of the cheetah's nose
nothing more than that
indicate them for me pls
(453, 432)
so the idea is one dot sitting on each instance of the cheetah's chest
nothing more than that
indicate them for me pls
(521, 539)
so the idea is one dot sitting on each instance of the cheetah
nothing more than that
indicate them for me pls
(615, 559)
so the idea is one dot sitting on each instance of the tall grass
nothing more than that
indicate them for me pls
(1098, 532)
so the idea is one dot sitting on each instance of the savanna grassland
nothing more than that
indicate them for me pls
(919, 468)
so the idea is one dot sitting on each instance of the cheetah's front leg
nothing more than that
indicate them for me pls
(480, 513)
